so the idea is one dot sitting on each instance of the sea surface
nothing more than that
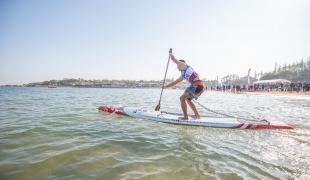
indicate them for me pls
(58, 133)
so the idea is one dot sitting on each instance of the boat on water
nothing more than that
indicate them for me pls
(207, 121)
(51, 86)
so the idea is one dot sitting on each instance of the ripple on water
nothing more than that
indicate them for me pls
(58, 133)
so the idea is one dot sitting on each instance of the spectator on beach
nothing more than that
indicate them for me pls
(266, 87)
(255, 87)
(252, 87)
(282, 89)
(298, 86)
(292, 85)
(304, 86)
(274, 86)
(238, 88)
(287, 86)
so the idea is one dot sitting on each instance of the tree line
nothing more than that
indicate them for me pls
(297, 71)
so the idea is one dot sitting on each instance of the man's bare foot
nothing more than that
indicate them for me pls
(183, 118)
(196, 116)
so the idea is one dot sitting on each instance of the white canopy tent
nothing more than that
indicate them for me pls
(272, 81)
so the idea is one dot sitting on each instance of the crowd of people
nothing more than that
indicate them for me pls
(289, 87)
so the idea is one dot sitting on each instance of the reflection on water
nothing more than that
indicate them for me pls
(59, 133)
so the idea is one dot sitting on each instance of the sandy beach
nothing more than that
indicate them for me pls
(280, 93)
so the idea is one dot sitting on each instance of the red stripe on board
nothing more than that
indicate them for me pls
(239, 126)
(110, 109)
(249, 126)
(273, 126)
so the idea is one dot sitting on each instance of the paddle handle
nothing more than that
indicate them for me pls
(158, 105)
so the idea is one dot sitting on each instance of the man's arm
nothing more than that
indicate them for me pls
(180, 79)
(181, 64)
(172, 57)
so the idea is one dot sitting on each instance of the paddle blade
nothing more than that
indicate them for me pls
(157, 107)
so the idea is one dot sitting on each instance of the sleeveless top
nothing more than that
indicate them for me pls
(189, 74)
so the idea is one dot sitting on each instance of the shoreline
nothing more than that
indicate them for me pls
(271, 93)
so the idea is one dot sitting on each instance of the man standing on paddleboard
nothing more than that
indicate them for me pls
(196, 88)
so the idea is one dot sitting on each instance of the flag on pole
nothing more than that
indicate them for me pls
(249, 76)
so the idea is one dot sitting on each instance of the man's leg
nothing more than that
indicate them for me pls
(183, 99)
(193, 107)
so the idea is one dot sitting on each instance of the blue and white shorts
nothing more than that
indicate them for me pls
(195, 89)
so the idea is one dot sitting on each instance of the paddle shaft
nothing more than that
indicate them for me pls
(158, 105)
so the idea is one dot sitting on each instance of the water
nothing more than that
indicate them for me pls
(59, 134)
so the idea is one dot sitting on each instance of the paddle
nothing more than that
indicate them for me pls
(158, 105)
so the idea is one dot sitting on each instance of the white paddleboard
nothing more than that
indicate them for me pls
(209, 121)
(223, 122)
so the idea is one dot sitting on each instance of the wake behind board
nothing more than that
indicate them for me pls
(209, 121)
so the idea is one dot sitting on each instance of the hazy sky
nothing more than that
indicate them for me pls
(129, 39)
